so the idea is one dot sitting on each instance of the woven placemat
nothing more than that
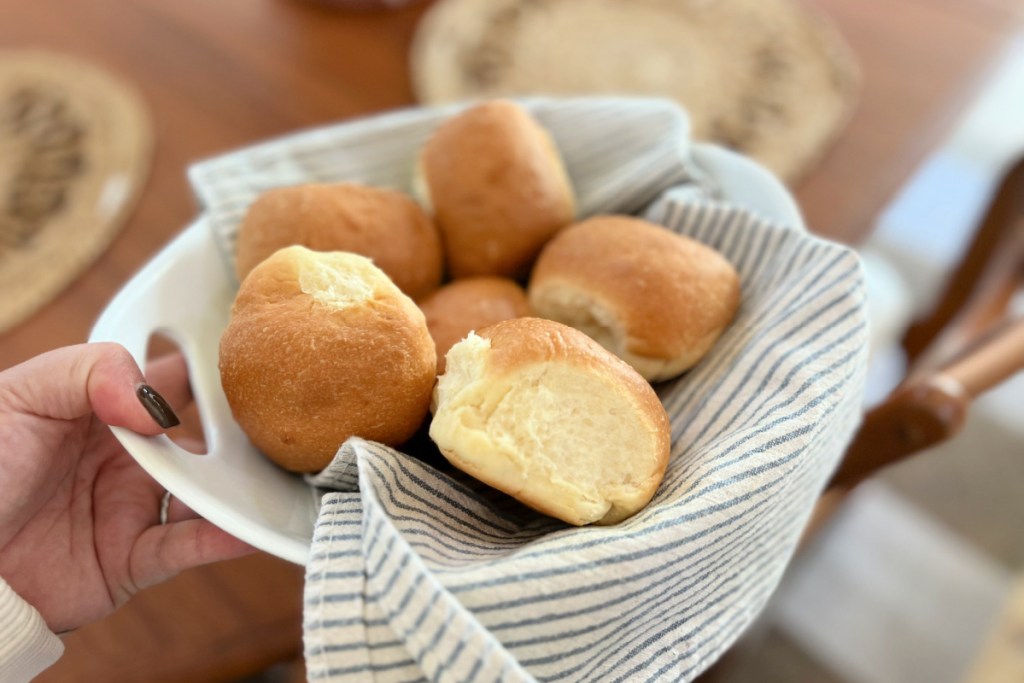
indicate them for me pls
(765, 77)
(75, 147)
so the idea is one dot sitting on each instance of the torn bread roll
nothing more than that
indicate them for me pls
(543, 413)
(463, 306)
(322, 346)
(656, 299)
(386, 226)
(497, 187)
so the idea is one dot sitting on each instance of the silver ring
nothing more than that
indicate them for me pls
(165, 505)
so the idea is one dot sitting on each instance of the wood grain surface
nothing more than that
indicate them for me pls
(221, 75)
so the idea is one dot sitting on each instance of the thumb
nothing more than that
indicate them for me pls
(75, 381)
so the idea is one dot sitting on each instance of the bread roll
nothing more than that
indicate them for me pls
(497, 187)
(383, 225)
(543, 413)
(322, 346)
(462, 306)
(656, 299)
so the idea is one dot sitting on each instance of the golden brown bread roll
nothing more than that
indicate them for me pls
(542, 412)
(497, 187)
(322, 346)
(462, 306)
(656, 299)
(383, 225)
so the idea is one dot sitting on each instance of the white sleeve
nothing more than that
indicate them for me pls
(26, 645)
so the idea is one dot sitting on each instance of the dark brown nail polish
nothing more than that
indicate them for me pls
(157, 406)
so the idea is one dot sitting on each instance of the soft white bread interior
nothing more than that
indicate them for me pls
(656, 299)
(497, 187)
(322, 346)
(384, 225)
(540, 411)
(470, 304)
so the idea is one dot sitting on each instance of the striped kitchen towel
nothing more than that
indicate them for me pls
(419, 573)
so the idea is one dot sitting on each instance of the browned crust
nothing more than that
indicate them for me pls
(470, 304)
(670, 293)
(302, 377)
(498, 189)
(383, 225)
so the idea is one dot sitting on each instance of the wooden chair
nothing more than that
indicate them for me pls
(970, 343)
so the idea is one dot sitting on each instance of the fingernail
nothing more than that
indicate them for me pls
(157, 406)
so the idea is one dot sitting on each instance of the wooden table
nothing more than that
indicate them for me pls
(220, 75)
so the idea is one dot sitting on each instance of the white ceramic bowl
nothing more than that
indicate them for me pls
(185, 293)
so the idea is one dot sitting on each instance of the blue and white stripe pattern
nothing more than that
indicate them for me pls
(418, 574)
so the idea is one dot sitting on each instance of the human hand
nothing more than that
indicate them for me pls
(80, 529)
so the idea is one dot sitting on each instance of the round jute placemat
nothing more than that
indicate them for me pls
(75, 148)
(766, 77)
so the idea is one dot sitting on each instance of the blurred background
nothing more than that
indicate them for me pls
(895, 123)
